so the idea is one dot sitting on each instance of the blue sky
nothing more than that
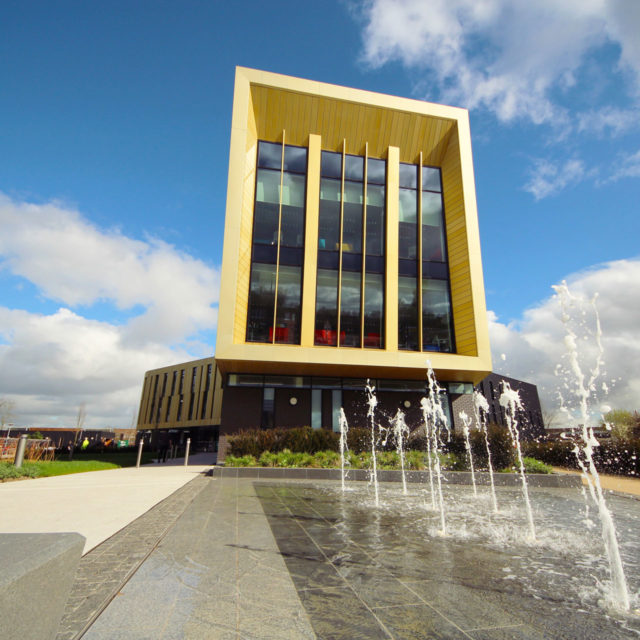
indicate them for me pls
(113, 165)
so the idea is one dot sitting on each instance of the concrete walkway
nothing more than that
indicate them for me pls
(619, 484)
(95, 504)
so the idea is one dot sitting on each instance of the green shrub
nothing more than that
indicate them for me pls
(241, 461)
(453, 462)
(531, 465)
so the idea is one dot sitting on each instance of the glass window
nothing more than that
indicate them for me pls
(352, 228)
(295, 159)
(244, 380)
(268, 405)
(316, 408)
(331, 164)
(408, 176)
(408, 313)
(376, 171)
(270, 155)
(354, 168)
(408, 224)
(432, 227)
(326, 307)
(350, 309)
(261, 302)
(288, 307)
(329, 215)
(292, 223)
(436, 316)
(336, 404)
(431, 179)
(375, 220)
(373, 310)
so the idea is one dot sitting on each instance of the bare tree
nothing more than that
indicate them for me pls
(82, 414)
(550, 417)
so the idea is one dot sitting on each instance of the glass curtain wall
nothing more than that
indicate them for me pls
(341, 235)
(422, 256)
(274, 309)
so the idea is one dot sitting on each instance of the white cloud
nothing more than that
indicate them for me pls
(608, 121)
(535, 345)
(547, 178)
(508, 56)
(628, 166)
(49, 364)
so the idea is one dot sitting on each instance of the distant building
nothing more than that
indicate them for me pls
(530, 422)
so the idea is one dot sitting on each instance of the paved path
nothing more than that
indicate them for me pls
(620, 484)
(95, 504)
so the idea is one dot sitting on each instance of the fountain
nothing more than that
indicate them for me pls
(584, 444)
(466, 423)
(372, 402)
(344, 429)
(481, 411)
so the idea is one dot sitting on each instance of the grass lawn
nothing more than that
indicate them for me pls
(81, 463)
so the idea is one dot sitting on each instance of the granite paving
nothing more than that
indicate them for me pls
(273, 558)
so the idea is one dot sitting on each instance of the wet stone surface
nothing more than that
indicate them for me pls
(363, 571)
(103, 570)
(254, 559)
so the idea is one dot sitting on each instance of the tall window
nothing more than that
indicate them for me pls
(350, 252)
(278, 245)
(423, 266)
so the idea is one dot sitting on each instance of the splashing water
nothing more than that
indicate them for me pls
(583, 389)
(435, 418)
(466, 423)
(344, 429)
(401, 432)
(510, 400)
(481, 410)
(373, 402)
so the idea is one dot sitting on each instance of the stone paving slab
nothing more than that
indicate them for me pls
(105, 569)
(217, 574)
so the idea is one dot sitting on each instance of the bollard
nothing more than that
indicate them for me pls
(140, 444)
(186, 453)
(22, 444)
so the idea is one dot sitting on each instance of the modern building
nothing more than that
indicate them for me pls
(181, 401)
(530, 421)
(351, 252)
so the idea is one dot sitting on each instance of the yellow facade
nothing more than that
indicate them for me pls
(322, 117)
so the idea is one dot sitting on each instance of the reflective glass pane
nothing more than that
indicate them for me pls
(287, 329)
(265, 223)
(316, 408)
(336, 405)
(293, 189)
(270, 155)
(352, 228)
(376, 171)
(268, 186)
(436, 316)
(375, 220)
(295, 159)
(431, 179)
(354, 192)
(292, 225)
(432, 227)
(408, 313)
(329, 215)
(326, 307)
(354, 168)
(373, 310)
(408, 205)
(408, 175)
(331, 164)
(261, 301)
(350, 309)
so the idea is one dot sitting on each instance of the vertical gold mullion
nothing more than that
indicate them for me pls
(419, 186)
(275, 302)
(344, 147)
(364, 240)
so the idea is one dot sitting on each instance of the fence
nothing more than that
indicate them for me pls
(35, 450)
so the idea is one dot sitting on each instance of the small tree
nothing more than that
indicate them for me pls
(621, 423)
